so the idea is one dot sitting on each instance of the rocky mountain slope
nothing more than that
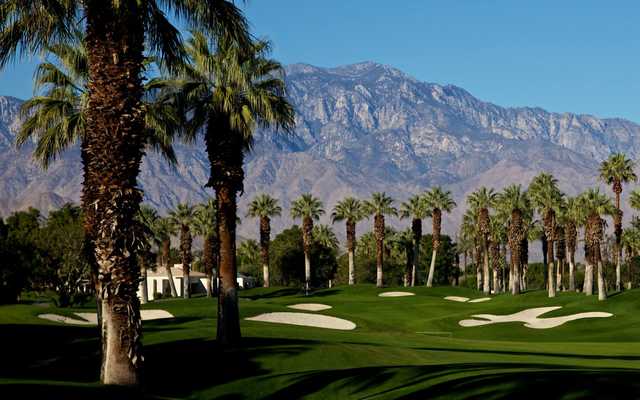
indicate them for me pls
(360, 128)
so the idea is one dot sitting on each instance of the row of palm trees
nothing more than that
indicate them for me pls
(94, 89)
(513, 223)
(309, 208)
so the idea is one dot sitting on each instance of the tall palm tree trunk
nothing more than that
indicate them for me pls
(436, 220)
(166, 248)
(524, 261)
(495, 261)
(416, 229)
(185, 248)
(89, 225)
(226, 155)
(549, 233)
(478, 256)
(588, 269)
(379, 231)
(265, 237)
(551, 286)
(545, 253)
(602, 290)
(115, 138)
(486, 286)
(307, 235)
(208, 260)
(351, 245)
(228, 314)
(617, 227)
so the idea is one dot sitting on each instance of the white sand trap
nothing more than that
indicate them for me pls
(304, 319)
(310, 306)
(530, 318)
(457, 298)
(466, 299)
(396, 294)
(92, 318)
(480, 300)
(65, 320)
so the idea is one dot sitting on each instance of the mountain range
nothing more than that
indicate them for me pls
(360, 128)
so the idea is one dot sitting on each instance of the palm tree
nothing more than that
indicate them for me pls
(515, 204)
(264, 207)
(351, 211)
(469, 233)
(379, 205)
(497, 236)
(182, 218)
(324, 236)
(546, 198)
(416, 209)
(148, 218)
(226, 92)
(404, 241)
(631, 242)
(615, 171)
(480, 202)
(573, 219)
(163, 230)
(204, 224)
(596, 204)
(308, 208)
(437, 201)
(116, 35)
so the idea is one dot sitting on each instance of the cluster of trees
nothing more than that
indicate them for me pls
(309, 209)
(44, 254)
(500, 224)
(96, 88)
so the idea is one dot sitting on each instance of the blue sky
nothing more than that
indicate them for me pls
(577, 56)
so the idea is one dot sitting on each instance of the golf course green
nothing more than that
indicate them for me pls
(402, 347)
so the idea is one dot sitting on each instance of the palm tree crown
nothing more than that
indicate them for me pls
(307, 206)
(324, 235)
(349, 209)
(380, 204)
(439, 199)
(416, 207)
(56, 118)
(264, 206)
(616, 170)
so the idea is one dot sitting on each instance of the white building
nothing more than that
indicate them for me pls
(158, 282)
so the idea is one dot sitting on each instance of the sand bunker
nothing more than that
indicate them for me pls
(480, 300)
(304, 319)
(92, 318)
(530, 318)
(396, 294)
(457, 298)
(310, 306)
(466, 299)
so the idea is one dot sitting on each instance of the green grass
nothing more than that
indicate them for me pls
(406, 347)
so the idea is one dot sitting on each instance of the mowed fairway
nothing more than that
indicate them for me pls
(403, 347)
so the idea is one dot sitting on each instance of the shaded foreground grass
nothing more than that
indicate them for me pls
(407, 347)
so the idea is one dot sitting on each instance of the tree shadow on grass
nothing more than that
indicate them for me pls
(64, 353)
(527, 353)
(181, 367)
(481, 380)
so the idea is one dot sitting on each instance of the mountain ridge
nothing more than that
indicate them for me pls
(359, 128)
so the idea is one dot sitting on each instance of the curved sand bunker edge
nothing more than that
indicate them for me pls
(530, 318)
(305, 319)
(310, 306)
(92, 318)
(396, 294)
